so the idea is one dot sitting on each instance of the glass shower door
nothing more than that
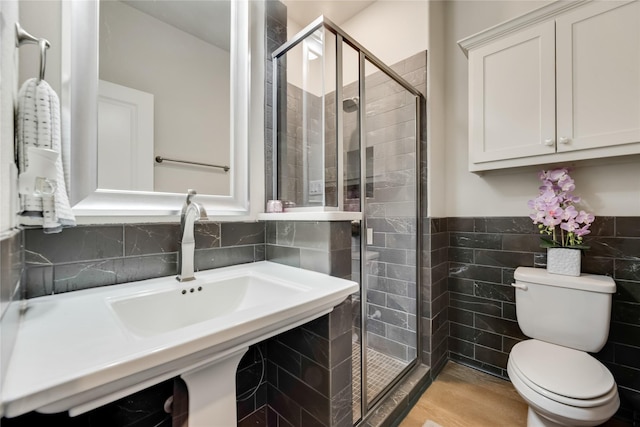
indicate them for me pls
(346, 127)
(390, 211)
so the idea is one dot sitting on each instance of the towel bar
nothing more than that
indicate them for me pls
(23, 37)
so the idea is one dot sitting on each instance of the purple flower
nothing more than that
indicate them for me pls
(537, 217)
(566, 183)
(585, 218)
(558, 174)
(570, 226)
(570, 213)
(554, 209)
(583, 231)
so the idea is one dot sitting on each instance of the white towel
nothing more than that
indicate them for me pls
(38, 125)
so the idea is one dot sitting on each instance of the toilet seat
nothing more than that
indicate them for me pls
(567, 376)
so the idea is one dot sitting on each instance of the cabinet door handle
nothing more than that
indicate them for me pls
(564, 140)
(549, 142)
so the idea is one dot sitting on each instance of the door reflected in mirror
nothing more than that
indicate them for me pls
(164, 90)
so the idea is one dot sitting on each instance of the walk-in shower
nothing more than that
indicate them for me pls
(347, 132)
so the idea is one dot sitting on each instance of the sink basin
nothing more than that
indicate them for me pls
(154, 312)
(105, 343)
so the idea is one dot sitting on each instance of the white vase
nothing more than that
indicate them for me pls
(563, 261)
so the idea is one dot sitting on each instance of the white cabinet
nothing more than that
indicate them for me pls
(512, 96)
(559, 84)
(598, 76)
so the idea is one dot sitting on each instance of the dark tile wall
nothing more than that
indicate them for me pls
(435, 295)
(252, 387)
(290, 146)
(324, 247)
(310, 373)
(483, 255)
(301, 151)
(310, 367)
(90, 256)
(391, 209)
(392, 205)
(276, 35)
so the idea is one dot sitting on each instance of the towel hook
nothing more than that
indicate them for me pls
(23, 37)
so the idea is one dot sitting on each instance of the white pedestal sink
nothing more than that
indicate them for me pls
(105, 343)
(212, 392)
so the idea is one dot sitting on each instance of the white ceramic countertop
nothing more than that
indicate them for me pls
(72, 353)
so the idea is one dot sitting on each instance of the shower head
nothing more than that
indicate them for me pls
(350, 105)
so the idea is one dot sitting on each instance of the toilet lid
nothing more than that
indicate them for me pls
(561, 370)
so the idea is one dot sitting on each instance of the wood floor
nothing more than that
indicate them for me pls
(464, 397)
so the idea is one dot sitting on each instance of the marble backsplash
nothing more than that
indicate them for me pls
(91, 256)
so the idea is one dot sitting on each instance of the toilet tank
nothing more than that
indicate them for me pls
(574, 312)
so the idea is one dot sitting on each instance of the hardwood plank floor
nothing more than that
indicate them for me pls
(463, 397)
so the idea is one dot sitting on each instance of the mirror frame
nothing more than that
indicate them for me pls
(79, 111)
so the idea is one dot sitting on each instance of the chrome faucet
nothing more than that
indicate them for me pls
(191, 212)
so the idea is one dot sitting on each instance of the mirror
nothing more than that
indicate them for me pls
(97, 75)
(163, 92)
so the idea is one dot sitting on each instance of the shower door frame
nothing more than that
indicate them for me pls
(364, 55)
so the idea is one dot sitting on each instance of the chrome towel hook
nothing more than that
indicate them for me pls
(23, 37)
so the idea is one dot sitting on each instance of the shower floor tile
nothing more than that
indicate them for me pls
(381, 370)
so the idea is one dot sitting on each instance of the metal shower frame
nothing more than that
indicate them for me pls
(364, 55)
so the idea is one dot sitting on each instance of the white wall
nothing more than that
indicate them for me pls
(189, 79)
(607, 186)
(16, 66)
(436, 75)
(392, 30)
(8, 88)
(31, 19)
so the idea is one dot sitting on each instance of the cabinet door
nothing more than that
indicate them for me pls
(512, 96)
(598, 75)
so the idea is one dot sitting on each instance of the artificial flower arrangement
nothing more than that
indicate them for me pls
(560, 223)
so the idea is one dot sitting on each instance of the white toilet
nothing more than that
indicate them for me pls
(566, 317)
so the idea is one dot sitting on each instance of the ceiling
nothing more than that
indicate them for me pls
(303, 12)
(206, 20)
(209, 20)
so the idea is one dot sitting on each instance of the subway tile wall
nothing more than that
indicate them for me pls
(11, 266)
(391, 209)
(310, 367)
(324, 247)
(483, 255)
(309, 373)
(276, 35)
(90, 256)
(435, 295)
